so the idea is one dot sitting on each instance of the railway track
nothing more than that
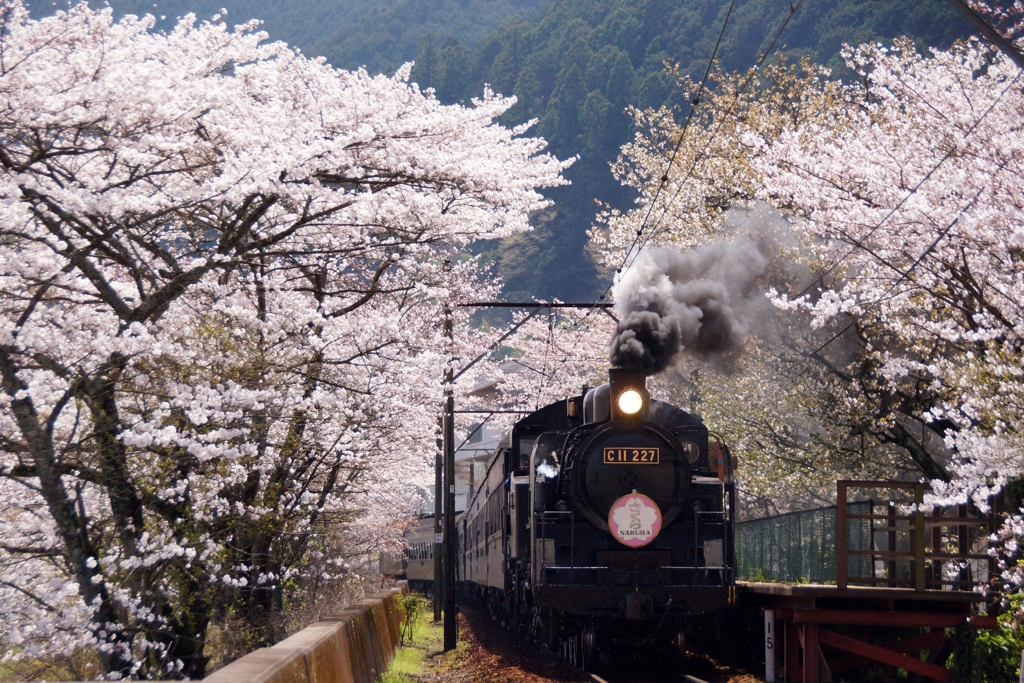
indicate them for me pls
(496, 655)
(681, 678)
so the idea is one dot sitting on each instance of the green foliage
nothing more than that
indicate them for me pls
(388, 34)
(413, 604)
(303, 23)
(989, 656)
(378, 35)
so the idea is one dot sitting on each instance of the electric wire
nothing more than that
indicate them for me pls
(903, 274)
(857, 244)
(954, 151)
(793, 8)
(694, 101)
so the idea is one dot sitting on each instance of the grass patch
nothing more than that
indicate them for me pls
(422, 653)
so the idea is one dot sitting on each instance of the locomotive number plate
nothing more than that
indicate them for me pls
(632, 456)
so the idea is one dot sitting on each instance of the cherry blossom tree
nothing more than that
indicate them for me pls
(903, 191)
(554, 355)
(916, 207)
(221, 272)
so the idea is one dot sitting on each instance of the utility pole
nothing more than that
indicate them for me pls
(438, 547)
(450, 541)
(451, 633)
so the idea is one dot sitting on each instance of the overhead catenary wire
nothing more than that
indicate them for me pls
(904, 275)
(856, 243)
(953, 151)
(793, 8)
(694, 101)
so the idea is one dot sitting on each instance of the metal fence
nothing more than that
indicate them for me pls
(800, 547)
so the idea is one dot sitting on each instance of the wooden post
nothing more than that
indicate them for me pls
(891, 525)
(792, 651)
(871, 541)
(810, 653)
(963, 546)
(842, 533)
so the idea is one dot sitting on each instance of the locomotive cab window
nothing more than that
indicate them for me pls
(545, 455)
(522, 448)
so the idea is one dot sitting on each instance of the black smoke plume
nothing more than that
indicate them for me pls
(701, 301)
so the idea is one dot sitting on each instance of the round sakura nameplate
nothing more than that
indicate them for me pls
(635, 520)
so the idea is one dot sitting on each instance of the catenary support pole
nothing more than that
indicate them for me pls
(438, 547)
(450, 540)
(444, 514)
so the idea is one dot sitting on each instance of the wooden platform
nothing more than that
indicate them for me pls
(817, 591)
(811, 651)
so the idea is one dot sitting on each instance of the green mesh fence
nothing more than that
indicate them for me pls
(800, 547)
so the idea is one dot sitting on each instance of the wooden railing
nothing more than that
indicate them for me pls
(905, 547)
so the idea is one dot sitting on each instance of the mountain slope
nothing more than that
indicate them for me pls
(380, 35)
(577, 65)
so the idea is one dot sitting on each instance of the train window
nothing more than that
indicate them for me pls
(525, 447)
(545, 455)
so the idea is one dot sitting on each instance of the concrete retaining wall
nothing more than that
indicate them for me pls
(354, 646)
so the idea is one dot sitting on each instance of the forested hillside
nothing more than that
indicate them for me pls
(378, 34)
(302, 24)
(580, 64)
(389, 33)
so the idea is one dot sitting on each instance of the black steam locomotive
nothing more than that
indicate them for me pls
(604, 522)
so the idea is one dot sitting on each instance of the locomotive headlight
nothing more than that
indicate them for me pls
(630, 402)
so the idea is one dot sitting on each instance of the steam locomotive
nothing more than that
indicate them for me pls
(604, 522)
